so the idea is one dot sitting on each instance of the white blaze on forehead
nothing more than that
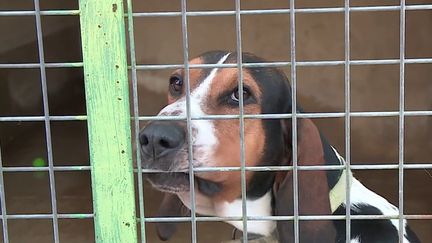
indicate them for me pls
(202, 90)
(204, 134)
(205, 129)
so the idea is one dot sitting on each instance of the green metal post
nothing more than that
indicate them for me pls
(108, 117)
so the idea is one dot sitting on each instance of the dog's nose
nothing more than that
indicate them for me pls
(161, 137)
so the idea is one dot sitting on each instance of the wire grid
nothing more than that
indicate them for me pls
(347, 114)
(46, 118)
(347, 63)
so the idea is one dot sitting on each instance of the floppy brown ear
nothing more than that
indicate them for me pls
(313, 191)
(171, 206)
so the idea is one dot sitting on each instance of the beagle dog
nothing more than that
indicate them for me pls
(267, 142)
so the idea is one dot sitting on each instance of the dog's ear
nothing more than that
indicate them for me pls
(313, 190)
(171, 206)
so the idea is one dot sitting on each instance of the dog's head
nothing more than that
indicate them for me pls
(216, 143)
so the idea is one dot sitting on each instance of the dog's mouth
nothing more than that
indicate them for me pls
(169, 181)
(176, 182)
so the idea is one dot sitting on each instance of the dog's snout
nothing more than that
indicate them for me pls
(159, 138)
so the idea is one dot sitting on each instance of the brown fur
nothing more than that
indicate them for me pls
(195, 75)
(313, 191)
(228, 130)
(312, 185)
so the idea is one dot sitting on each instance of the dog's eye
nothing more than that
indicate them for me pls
(235, 96)
(176, 84)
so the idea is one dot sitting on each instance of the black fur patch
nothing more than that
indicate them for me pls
(275, 98)
(331, 158)
(369, 230)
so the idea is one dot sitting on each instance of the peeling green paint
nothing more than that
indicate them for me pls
(108, 119)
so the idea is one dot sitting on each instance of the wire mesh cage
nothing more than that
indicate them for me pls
(70, 160)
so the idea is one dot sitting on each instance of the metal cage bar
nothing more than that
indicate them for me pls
(107, 98)
(220, 219)
(216, 117)
(46, 120)
(41, 12)
(49, 216)
(136, 119)
(230, 12)
(38, 65)
(317, 63)
(185, 44)
(401, 120)
(347, 72)
(241, 118)
(285, 11)
(54, 168)
(294, 117)
(359, 166)
(3, 203)
(291, 218)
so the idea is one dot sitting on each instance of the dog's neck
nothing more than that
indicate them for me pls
(261, 206)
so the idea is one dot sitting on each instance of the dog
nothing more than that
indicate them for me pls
(267, 142)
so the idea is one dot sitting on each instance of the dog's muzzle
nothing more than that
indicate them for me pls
(159, 139)
(160, 145)
(163, 146)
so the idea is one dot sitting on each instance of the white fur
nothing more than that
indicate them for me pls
(257, 207)
(204, 139)
(355, 240)
(362, 195)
